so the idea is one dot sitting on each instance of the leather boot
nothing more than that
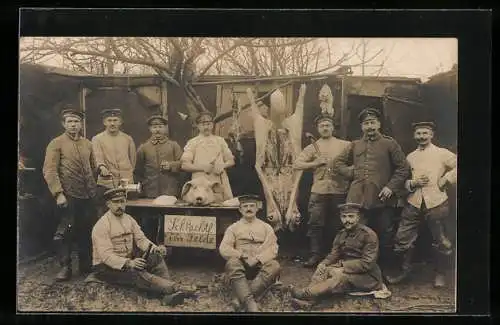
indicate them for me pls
(315, 258)
(174, 299)
(404, 269)
(235, 303)
(65, 261)
(242, 291)
(174, 294)
(64, 274)
(189, 291)
(261, 285)
(441, 258)
(311, 292)
(439, 280)
(301, 304)
(306, 298)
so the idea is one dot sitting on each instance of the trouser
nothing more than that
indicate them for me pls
(151, 226)
(335, 280)
(75, 228)
(329, 280)
(407, 233)
(324, 221)
(236, 269)
(382, 221)
(155, 278)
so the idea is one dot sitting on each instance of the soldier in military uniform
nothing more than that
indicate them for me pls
(350, 266)
(432, 169)
(329, 189)
(250, 248)
(113, 240)
(115, 155)
(157, 168)
(378, 169)
(69, 169)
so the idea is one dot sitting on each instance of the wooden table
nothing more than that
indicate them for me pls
(187, 226)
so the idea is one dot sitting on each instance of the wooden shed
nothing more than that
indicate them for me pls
(44, 90)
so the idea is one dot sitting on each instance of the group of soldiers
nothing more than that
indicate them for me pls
(353, 235)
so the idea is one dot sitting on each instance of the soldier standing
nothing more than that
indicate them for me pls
(113, 240)
(378, 172)
(250, 248)
(69, 169)
(208, 155)
(114, 153)
(329, 189)
(350, 266)
(157, 167)
(432, 169)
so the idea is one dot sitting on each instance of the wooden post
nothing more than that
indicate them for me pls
(164, 106)
(82, 94)
(164, 99)
(343, 108)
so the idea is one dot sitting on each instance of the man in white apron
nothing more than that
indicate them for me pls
(208, 155)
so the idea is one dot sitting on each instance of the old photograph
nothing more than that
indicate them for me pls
(237, 174)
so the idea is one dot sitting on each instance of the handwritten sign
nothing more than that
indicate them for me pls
(190, 231)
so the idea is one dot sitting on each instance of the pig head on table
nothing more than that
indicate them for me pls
(201, 191)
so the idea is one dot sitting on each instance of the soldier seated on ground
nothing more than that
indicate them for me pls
(113, 239)
(250, 248)
(351, 265)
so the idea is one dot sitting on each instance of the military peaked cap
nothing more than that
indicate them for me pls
(115, 193)
(369, 112)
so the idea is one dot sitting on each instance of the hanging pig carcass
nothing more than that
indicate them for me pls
(278, 143)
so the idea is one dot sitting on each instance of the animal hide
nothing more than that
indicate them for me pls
(278, 143)
(326, 100)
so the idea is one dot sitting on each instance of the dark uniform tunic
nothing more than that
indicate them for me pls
(377, 162)
(357, 249)
(156, 182)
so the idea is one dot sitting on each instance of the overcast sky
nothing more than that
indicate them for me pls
(405, 57)
(412, 57)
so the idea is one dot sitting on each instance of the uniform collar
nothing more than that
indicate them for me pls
(376, 137)
(430, 146)
(113, 135)
(353, 229)
(155, 141)
(112, 215)
(78, 137)
(243, 220)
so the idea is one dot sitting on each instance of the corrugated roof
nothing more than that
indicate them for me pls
(210, 78)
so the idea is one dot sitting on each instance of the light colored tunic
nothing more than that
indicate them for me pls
(209, 149)
(69, 167)
(325, 179)
(113, 240)
(255, 239)
(435, 162)
(118, 154)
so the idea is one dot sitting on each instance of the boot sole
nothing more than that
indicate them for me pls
(300, 304)
(176, 299)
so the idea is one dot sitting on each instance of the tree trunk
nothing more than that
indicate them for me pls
(110, 66)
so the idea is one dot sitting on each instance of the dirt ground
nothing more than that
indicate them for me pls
(37, 292)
